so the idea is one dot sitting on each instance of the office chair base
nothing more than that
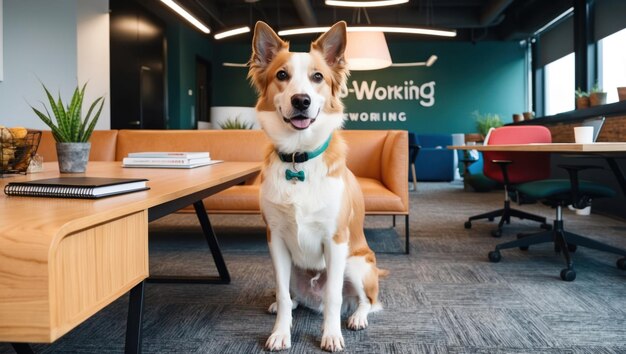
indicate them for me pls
(565, 242)
(505, 215)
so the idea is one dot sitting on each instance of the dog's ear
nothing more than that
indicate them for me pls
(265, 44)
(332, 44)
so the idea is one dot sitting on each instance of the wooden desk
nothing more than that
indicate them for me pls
(609, 151)
(63, 260)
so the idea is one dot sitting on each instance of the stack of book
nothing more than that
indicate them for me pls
(168, 159)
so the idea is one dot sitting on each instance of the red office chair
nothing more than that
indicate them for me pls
(511, 168)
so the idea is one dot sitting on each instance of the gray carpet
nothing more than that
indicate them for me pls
(445, 297)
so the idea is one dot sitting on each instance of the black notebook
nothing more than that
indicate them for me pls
(76, 187)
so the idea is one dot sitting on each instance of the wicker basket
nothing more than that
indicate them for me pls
(17, 152)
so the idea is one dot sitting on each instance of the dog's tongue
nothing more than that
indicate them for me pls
(301, 123)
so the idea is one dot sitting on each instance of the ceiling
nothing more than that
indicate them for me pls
(474, 20)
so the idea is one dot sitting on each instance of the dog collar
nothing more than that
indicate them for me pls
(299, 157)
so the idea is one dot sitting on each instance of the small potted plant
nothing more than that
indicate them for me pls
(597, 96)
(71, 131)
(484, 122)
(236, 124)
(582, 99)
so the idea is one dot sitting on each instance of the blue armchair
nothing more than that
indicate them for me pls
(434, 161)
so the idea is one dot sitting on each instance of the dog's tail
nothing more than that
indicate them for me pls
(383, 273)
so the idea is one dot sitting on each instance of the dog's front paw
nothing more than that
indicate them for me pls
(278, 341)
(273, 309)
(332, 342)
(357, 321)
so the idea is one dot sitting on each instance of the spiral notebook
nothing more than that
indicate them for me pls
(76, 187)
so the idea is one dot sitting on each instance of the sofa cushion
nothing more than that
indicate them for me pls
(245, 199)
(102, 146)
(380, 200)
(242, 199)
(230, 145)
(365, 151)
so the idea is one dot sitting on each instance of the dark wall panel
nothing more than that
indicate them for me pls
(137, 41)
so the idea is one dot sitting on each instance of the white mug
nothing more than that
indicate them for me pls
(583, 135)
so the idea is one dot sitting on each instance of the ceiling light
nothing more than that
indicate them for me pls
(232, 32)
(406, 30)
(385, 29)
(303, 30)
(235, 65)
(365, 3)
(367, 51)
(186, 15)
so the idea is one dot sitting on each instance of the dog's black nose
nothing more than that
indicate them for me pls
(301, 101)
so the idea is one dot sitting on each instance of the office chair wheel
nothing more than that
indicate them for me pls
(568, 274)
(572, 247)
(621, 263)
(494, 256)
(496, 233)
(546, 226)
(522, 248)
(468, 225)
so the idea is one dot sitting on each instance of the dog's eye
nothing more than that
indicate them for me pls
(282, 75)
(318, 77)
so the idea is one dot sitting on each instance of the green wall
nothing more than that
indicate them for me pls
(183, 46)
(486, 76)
(230, 85)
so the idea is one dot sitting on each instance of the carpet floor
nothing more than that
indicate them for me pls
(445, 297)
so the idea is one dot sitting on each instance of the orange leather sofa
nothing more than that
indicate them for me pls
(378, 158)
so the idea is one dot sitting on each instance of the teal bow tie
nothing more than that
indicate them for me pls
(292, 175)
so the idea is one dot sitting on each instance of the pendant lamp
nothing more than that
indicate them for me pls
(367, 51)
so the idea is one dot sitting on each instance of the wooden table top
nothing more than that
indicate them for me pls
(553, 147)
(62, 260)
(41, 221)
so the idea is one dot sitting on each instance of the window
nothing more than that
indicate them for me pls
(612, 59)
(559, 85)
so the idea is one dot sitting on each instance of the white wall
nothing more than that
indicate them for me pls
(93, 54)
(1, 55)
(44, 41)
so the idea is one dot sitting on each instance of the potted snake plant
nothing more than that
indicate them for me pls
(71, 131)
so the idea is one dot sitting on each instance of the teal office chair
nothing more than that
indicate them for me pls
(559, 193)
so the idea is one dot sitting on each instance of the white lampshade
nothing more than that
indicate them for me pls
(367, 51)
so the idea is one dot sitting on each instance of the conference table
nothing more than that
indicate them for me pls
(62, 260)
(610, 151)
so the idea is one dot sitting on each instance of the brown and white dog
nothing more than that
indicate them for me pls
(313, 206)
